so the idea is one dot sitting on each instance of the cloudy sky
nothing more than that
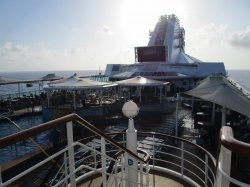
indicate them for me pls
(88, 34)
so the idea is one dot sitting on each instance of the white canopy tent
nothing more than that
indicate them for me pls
(223, 91)
(140, 82)
(74, 83)
(51, 77)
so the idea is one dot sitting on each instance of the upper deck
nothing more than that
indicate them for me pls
(165, 53)
(105, 158)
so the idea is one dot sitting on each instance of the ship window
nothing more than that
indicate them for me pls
(116, 68)
(152, 53)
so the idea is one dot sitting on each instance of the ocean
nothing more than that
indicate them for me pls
(7, 89)
(240, 76)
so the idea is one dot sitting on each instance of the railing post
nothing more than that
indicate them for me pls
(123, 140)
(103, 153)
(147, 174)
(182, 158)
(65, 167)
(225, 164)
(141, 174)
(153, 150)
(206, 169)
(1, 181)
(177, 114)
(116, 176)
(71, 153)
(95, 160)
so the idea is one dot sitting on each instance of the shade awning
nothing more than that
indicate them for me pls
(140, 81)
(51, 77)
(6, 80)
(223, 91)
(76, 83)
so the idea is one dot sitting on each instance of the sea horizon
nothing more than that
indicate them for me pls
(242, 77)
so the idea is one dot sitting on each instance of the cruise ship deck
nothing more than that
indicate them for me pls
(109, 160)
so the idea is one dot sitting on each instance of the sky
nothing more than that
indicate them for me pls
(51, 35)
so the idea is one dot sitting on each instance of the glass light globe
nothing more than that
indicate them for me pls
(130, 109)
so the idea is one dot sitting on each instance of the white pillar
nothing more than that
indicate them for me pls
(132, 173)
(130, 110)
(71, 153)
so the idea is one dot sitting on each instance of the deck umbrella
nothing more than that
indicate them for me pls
(139, 82)
(77, 84)
(74, 83)
(223, 91)
(51, 77)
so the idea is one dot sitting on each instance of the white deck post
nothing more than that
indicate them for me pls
(130, 110)
(71, 153)
(225, 165)
(131, 137)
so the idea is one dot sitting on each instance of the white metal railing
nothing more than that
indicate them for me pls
(96, 163)
(71, 170)
(80, 160)
(228, 146)
(182, 159)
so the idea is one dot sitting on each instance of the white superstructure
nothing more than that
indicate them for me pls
(164, 58)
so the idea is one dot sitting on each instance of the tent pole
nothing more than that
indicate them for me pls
(74, 99)
(100, 98)
(223, 117)
(213, 114)
(176, 114)
(48, 98)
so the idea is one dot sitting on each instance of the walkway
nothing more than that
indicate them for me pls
(21, 112)
(154, 181)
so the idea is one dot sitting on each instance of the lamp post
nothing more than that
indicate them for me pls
(130, 110)
(177, 99)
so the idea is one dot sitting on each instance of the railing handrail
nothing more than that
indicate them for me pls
(234, 145)
(183, 140)
(24, 134)
(165, 135)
